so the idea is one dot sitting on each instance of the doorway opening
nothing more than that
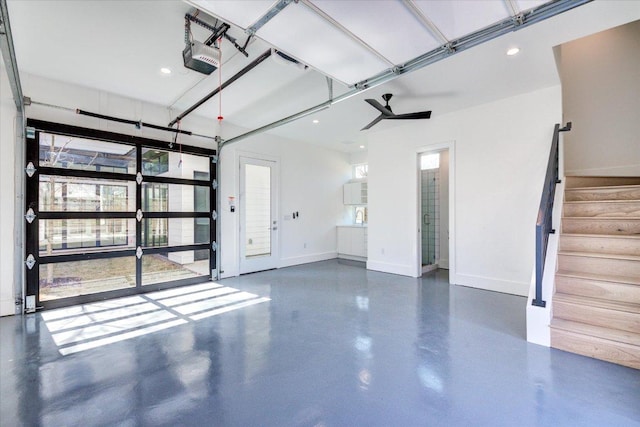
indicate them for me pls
(258, 215)
(433, 198)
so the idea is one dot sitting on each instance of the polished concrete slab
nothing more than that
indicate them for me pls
(329, 344)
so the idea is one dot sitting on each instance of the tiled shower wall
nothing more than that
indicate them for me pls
(430, 215)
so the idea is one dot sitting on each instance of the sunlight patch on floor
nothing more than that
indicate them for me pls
(88, 326)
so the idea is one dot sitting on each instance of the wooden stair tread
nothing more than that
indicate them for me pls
(605, 187)
(603, 236)
(601, 277)
(596, 347)
(597, 303)
(600, 255)
(609, 218)
(600, 181)
(597, 331)
(622, 244)
(608, 202)
(601, 225)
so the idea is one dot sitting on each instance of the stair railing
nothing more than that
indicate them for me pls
(544, 225)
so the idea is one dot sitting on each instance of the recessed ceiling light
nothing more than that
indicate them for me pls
(316, 121)
(362, 146)
(165, 70)
(513, 51)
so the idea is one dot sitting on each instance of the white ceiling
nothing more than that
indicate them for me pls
(119, 47)
(352, 40)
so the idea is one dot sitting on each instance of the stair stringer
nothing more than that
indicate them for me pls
(539, 318)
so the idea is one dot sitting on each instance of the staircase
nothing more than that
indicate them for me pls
(596, 305)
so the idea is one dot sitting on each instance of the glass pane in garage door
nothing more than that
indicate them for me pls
(75, 278)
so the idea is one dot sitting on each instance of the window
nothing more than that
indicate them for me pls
(360, 213)
(360, 171)
(154, 162)
(430, 161)
(67, 152)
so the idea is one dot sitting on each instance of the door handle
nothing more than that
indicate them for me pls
(274, 228)
(425, 218)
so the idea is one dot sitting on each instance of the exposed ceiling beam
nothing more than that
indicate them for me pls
(9, 56)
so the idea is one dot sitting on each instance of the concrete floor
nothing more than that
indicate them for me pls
(336, 345)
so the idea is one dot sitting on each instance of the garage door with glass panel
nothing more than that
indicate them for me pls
(110, 215)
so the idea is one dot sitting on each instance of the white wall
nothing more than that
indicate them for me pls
(310, 183)
(78, 97)
(601, 97)
(499, 158)
(358, 157)
(7, 197)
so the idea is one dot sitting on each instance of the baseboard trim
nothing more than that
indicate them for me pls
(352, 257)
(384, 267)
(443, 263)
(306, 259)
(493, 284)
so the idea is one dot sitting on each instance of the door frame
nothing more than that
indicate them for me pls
(443, 146)
(275, 209)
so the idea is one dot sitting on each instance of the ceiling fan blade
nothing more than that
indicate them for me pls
(418, 115)
(376, 120)
(375, 104)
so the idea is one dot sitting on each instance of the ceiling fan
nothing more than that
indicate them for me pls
(387, 114)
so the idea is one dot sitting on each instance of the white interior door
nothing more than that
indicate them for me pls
(258, 215)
